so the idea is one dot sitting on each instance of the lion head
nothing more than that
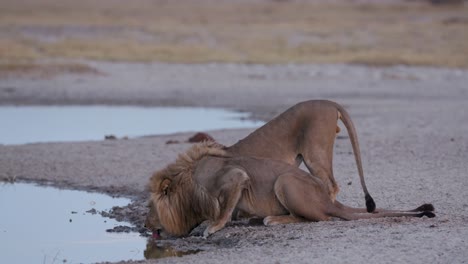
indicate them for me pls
(152, 221)
(177, 203)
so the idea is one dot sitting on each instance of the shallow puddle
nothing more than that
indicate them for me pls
(29, 124)
(49, 225)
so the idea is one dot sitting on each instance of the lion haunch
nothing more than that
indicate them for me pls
(305, 133)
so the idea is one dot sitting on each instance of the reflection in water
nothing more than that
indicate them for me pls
(153, 251)
(65, 226)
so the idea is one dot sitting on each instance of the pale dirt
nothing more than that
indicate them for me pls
(412, 125)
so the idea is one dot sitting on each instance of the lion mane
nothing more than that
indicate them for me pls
(179, 202)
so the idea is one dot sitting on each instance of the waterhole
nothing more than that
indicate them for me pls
(49, 225)
(31, 124)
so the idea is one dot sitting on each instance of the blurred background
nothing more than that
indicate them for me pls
(370, 32)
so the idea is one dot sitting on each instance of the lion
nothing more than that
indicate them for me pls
(206, 183)
(305, 133)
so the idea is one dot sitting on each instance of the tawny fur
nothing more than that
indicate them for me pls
(187, 204)
(205, 183)
(305, 133)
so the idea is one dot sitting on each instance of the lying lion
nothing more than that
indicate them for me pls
(305, 133)
(205, 183)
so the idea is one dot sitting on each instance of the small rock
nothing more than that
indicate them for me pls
(110, 137)
(172, 142)
(92, 211)
(200, 137)
(121, 229)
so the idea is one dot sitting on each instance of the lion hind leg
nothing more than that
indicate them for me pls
(356, 216)
(422, 208)
(282, 219)
(325, 173)
(303, 196)
(231, 183)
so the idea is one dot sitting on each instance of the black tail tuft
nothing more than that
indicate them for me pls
(428, 214)
(370, 204)
(425, 208)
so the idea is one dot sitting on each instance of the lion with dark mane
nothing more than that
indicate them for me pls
(207, 183)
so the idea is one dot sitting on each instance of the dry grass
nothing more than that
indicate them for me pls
(17, 49)
(234, 31)
(102, 49)
(43, 70)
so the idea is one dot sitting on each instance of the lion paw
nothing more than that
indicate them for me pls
(210, 230)
(206, 233)
(269, 220)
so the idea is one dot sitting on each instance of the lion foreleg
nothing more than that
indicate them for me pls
(230, 183)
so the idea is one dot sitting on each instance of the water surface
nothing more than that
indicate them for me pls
(30, 124)
(49, 225)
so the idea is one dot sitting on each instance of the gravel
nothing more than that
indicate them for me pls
(412, 125)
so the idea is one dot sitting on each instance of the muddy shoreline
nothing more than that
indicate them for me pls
(411, 123)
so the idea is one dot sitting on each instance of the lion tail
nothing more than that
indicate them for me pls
(346, 119)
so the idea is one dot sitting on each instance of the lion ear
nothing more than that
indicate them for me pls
(165, 186)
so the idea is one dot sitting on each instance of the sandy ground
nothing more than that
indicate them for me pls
(411, 121)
